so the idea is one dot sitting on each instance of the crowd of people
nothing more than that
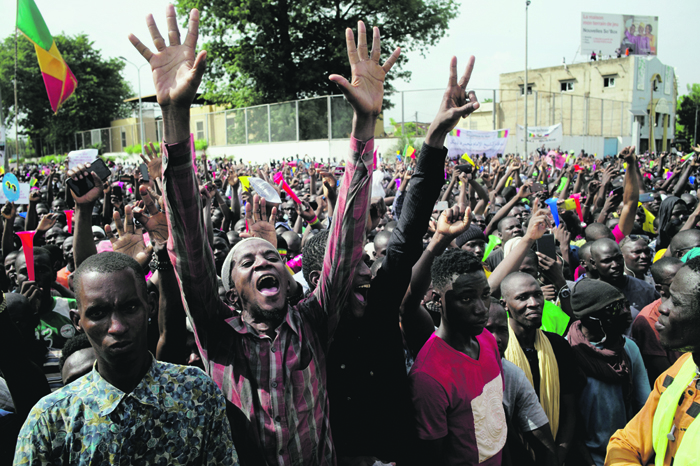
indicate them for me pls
(417, 311)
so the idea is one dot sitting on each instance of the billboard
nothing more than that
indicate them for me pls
(606, 34)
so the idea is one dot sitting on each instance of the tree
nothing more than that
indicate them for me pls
(281, 50)
(98, 99)
(685, 114)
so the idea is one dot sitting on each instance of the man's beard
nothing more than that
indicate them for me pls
(267, 315)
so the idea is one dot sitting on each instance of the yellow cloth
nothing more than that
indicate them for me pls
(659, 254)
(549, 373)
(689, 450)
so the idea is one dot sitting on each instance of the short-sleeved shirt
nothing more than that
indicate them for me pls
(55, 326)
(176, 415)
(520, 401)
(460, 399)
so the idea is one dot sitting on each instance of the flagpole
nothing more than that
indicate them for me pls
(16, 105)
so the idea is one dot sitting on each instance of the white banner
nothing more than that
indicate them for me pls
(476, 143)
(23, 195)
(605, 34)
(78, 157)
(541, 134)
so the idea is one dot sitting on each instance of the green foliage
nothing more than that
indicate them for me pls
(408, 137)
(281, 50)
(98, 98)
(49, 159)
(136, 149)
(686, 114)
(200, 144)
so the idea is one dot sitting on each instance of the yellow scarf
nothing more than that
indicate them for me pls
(549, 373)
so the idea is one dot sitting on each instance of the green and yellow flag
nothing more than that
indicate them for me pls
(59, 80)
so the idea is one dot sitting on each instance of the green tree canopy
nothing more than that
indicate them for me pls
(98, 99)
(685, 114)
(278, 50)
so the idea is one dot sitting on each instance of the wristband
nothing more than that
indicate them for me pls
(315, 221)
(160, 265)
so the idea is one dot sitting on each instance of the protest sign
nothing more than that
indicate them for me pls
(541, 134)
(464, 141)
(23, 197)
(78, 157)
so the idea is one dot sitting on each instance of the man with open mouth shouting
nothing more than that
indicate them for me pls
(269, 360)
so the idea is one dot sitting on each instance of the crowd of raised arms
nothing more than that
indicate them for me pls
(364, 312)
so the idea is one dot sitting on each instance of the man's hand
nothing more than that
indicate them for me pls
(80, 172)
(305, 211)
(128, 242)
(256, 225)
(32, 292)
(365, 90)
(177, 72)
(628, 154)
(552, 269)
(153, 161)
(34, 196)
(562, 235)
(539, 223)
(455, 104)
(9, 211)
(525, 190)
(46, 223)
(155, 222)
(452, 223)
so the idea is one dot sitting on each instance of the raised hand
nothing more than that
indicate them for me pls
(177, 72)
(9, 211)
(128, 242)
(154, 221)
(539, 223)
(456, 104)
(256, 225)
(80, 172)
(365, 90)
(628, 154)
(452, 223)
(153, 161)
(47, 222)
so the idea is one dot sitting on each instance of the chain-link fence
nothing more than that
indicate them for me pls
(405, 112)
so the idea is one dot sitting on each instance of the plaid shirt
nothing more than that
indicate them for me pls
(278, 387)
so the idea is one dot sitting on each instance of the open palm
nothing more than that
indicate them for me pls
(365, 90)
(128, 242)
(177, 70)
(154, 221)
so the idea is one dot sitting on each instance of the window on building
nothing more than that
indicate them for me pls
(123, 139)
(200, 130)
(566, 86)
(608, 81)
(529, 89)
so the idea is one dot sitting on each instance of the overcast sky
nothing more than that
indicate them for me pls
(491, 30)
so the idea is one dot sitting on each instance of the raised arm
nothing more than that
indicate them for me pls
(630, 197)
(177, 72)
(365, 93)
(83, 244)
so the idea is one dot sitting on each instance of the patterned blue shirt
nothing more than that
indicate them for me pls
(176, 415)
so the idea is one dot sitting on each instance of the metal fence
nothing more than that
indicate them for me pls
(330, 117)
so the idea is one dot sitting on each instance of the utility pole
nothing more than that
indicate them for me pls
(416, 122)
(525, 87)
(695, 128)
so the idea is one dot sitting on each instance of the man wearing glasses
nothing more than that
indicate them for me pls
(617, 384)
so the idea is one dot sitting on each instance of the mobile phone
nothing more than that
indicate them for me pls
(646, 197)
(81, 187)
(617, 191)
(144, 171)
(537, 187)
(546, 246)
(465, 168)
(441, 205)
